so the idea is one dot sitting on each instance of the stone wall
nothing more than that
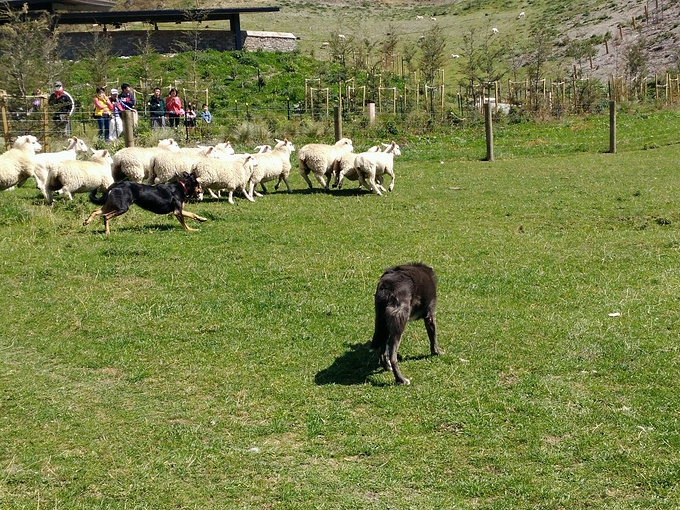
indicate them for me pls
(126, 42)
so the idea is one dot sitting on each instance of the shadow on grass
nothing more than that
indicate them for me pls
(353, 367)
(99, 229)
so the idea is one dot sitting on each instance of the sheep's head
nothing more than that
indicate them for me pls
(393, 148)
(225, 147)
(102, 155)
(77, 144)
(284, 143)
(170, 144)
(27, 143)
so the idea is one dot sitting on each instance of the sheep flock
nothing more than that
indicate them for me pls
(218, 168)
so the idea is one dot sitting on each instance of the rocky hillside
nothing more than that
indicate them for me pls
(651, 26)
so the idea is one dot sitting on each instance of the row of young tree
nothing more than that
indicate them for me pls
(485, 58)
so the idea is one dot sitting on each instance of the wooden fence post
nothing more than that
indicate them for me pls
(128, 128)
(612, 127)
(337, 114)
(488, 128)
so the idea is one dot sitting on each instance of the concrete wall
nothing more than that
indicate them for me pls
(126, 42)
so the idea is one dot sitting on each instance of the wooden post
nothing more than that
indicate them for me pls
(337, 116)
(489, 132)
(5, 126)
(612, 127)
(128, 128)
(371, 113)
(606, 48)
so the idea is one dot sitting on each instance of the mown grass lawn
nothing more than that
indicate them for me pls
(227, 368)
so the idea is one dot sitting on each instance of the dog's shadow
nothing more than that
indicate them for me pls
(353, 367)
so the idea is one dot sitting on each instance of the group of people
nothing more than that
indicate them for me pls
(108, 109)
(168, 111)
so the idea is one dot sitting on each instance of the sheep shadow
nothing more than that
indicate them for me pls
(353, 367)
(345, 192)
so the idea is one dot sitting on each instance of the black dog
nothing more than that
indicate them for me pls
(160, 199)
(404, 293)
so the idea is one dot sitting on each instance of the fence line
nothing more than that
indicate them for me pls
(18, 121)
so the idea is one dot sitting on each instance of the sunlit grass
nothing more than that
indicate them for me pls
(227, 368)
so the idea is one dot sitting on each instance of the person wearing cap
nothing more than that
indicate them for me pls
(102, 112)
(62, 106)
(116, 124)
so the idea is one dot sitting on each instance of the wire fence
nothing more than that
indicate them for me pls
(459, 125)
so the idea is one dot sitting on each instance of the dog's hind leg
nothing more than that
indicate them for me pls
(108, 216)
(431, 327)
(396, 325)
(393, 347)
(92, 216)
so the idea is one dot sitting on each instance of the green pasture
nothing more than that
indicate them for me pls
(227, 368)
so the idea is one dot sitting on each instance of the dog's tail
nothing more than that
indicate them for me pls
(380, 333)
(98, 200)
(117, 172)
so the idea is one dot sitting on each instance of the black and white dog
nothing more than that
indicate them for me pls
(160, 199)
(404, 293)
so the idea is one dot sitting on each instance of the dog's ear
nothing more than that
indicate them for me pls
(185, 175)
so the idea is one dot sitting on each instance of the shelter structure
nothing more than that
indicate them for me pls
(98, 13)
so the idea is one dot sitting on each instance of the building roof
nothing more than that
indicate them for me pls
(85, 12)
(100, 14)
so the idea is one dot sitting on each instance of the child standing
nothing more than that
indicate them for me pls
(190, 118)
(206, 115)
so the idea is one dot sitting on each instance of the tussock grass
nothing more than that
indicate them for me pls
(227, 368)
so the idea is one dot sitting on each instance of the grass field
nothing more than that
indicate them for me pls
(227, 368)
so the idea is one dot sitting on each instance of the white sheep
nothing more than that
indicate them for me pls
(229, 157)
(521, 15)
(219, 174)
(494, 31)
(77, 176)
(169, 166)
(46, 160)
(18, 163)
(372, 165)
(274, 164)
(344, 167)
(134, 163)
(320, 158)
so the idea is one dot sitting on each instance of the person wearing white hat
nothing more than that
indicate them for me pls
(62, 106)
(116, 128)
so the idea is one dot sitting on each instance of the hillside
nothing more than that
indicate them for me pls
(653, 25)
